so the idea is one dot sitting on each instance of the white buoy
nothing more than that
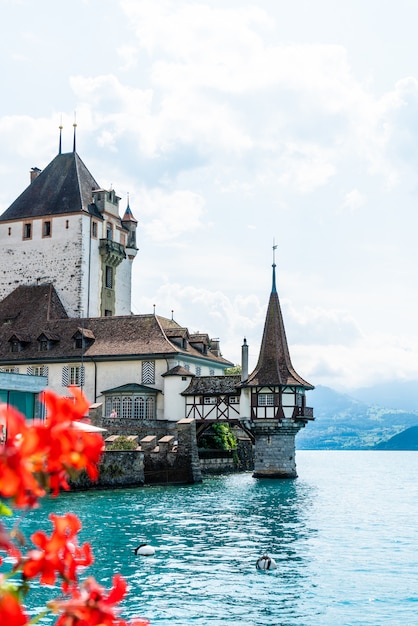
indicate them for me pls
(265, 562)
(144, 549)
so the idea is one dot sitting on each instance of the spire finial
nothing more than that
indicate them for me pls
(74, 126)
(127, 199)
(60, 141)
(273, 289)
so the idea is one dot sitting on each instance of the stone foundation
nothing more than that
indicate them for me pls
(274, 448)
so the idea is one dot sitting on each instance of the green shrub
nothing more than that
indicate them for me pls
(122, 443)
(218, 437)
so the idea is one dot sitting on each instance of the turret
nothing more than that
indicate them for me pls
(131, 224)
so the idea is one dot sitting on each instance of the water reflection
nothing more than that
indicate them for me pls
(209, 537)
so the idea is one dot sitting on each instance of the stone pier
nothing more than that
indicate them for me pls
(274, 448)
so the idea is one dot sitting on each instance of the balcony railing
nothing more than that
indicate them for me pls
(305, 412)
(113, 251)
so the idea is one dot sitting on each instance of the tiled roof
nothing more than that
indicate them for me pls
(212, 385)
(274, 366)
(179, 370)
(31, 311)
(64, 186)
(131, 388)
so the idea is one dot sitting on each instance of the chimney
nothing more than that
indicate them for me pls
(34, 173)
(244, 361)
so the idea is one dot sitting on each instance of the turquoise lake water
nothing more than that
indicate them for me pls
(344, 535)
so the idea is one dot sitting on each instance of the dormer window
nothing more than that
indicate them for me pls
(83, 338)
(18, 343)
(78, 342)
(46, 341)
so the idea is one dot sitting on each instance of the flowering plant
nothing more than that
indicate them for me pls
(36, 459)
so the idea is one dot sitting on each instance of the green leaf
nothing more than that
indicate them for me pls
(5, 510)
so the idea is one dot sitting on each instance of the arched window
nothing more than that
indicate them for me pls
(150, 408)
(139, 412)
(127, 407)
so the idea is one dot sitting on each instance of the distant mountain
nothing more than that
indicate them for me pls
(406, 440)
(396, 395)
(343, 422)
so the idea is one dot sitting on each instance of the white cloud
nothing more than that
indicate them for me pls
(170, 215)
(353, 201)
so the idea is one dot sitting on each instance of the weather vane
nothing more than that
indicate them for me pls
(274, 252)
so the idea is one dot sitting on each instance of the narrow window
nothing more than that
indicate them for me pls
(127, 408)
(94, 229)
(27, 230)
(149, 411)
(46, 229)
(10, 231)
(74, 375)
(109, 231)
(109, 277)
(67, 223)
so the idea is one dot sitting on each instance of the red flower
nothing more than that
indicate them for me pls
(41, 456)
(58, 554)
(11, 613)
(18, 459)
(91, 606)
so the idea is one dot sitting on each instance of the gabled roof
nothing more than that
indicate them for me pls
(213, 385)
(274, 366)
(131, 388)
(64, 186)
(38, 310)
(178, 370)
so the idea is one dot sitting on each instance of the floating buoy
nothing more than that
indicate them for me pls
(265, 562)
(144, 549)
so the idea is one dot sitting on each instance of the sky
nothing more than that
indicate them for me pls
(235, 126)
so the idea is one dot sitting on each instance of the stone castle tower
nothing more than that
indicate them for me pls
(65, 229)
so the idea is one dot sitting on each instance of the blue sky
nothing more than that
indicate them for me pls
(232, 124)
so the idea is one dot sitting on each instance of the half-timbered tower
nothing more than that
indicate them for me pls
(65, 229)
(273, 398)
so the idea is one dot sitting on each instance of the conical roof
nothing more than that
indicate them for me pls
(274, 366)
(128, 216)
(64, 186)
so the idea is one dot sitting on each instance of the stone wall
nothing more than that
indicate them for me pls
(168, 449)
(274, 449)
(118, 468)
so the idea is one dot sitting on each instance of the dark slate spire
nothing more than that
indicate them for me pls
(274, 366)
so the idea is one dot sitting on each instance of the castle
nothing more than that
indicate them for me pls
(65, 314)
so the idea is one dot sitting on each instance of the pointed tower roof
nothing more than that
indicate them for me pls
(274, 366)
(128, 215)
(64, 186)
